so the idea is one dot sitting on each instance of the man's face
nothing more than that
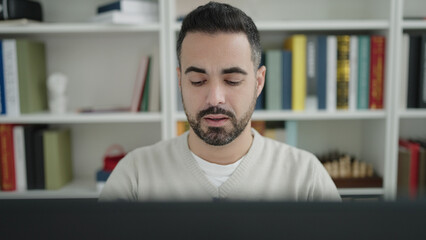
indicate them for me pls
(219, 85)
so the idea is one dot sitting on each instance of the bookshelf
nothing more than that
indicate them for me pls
(101, 58)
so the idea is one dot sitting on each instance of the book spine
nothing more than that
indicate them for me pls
(343, 44)
(10, 62)
(377, 68)
(321, 63)
(363, 72)
(404, 71)
(413, 71)
(331, 72)
(274, 80)
(311, 102)
(286, 78)
(20, 163)
(297, 44)
(353, 76)
(2, 92)
(132, 7)
(8, 173)
(422, 79)
(39, 160)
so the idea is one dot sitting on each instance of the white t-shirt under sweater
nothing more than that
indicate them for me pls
(270, 171)
(217, 174)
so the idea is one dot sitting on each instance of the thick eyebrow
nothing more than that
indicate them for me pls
(234, 70)
(195, 69)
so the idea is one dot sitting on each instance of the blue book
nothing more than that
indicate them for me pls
(260, 103)
(102, 176)
(286, 78)
(130, 6)
(321, 65)
(2, 93)
(363, 72)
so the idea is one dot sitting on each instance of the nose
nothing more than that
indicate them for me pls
(216, 94)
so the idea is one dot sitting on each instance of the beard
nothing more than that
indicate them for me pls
(219, 136)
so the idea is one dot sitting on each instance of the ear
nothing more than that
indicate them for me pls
(179, 77)
(260, 79)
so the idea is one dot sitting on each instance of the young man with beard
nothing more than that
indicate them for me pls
(221, 156)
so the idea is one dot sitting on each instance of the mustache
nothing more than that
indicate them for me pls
(215, 110)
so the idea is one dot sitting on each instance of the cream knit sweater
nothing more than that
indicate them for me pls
(271, 171)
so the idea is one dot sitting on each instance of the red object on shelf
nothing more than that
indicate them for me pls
(112, 156)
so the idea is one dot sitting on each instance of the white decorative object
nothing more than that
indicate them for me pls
(57, 85)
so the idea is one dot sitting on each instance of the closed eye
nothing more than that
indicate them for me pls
(198, 83)
(233, 83)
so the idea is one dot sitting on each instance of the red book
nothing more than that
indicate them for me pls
(414, 149)
(7, 156)
(377, 70)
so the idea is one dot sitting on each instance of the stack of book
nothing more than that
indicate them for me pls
(325, 72)
(128, 12)
(22, 77)
(411, 168)
(34, 157)
(413, 84)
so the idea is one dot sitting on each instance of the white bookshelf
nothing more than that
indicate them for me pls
(101, 59)
(79, 118)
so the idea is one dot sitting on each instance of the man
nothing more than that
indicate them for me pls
(221, 157)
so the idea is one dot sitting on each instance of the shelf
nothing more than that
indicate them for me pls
(321, 25)
(361, 191)
(412, 113)
(76, 189)
(414, 24)
(309, 115)
(61, 28)
(47, 118)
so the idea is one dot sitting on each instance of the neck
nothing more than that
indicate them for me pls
(223, 155)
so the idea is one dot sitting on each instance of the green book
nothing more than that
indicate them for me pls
(273, 81)
(363, 72)
(145, 94)
(57, 158)
(31, 59)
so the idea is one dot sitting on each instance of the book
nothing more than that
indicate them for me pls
(331, 72)
(39, 172)
(353, 73)
(154, 86)
(343, 68)
(363, 94)
(118, 17)
(7, 158)
(24, 64)
(404, 71)
(311, 102)
(130, 6)
(414, 149)
(377, 70)
(321, 63)
(145, 92)
(181, 127)
(139, 84)
(2, 91)
(414, 71)
(286, 80)
(32, 76)
(11, 84)
(20, 158)
(57, 158)
(422, 80)
(274, 79)
(297, 45)
(30, 153)
(403, 176)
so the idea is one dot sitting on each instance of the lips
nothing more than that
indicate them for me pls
(216, 120)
